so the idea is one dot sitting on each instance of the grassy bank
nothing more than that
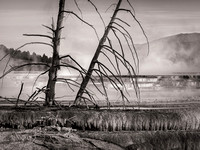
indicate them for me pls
(105, 120)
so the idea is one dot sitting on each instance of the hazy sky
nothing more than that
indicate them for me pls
(159, 18)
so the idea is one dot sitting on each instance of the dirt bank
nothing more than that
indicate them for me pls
(41, 139)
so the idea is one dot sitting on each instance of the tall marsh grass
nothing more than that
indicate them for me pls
(153, 120)
(106, 120)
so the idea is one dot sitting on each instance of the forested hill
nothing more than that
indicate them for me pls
(19, 57)
(25, 55)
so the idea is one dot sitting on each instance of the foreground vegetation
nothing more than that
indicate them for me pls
(104, 120)
(101, 129)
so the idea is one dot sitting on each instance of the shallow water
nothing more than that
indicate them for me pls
(10, 87)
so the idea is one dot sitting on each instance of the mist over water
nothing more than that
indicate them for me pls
(149, 92)
(167, 56)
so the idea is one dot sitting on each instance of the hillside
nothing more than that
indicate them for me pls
(21, 57)
(173, 54)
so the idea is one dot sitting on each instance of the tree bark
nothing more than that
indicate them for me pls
(50, 92)
(96, 55)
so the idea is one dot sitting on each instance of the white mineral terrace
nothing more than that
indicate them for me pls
(151, 87)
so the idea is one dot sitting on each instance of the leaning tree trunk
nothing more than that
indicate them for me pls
(50, 92)
(95, 58)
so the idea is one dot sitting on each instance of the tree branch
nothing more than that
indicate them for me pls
(30, 43)
(73, 61)
(21, 66)
(131, 6)
(138, 24)
(111, 50)
(49, 28)
(110, 7)
(39, 35)
(97, 12)
(4, 56)
(38, 77)
(122, 21)
(131, 49)
(78, 8)
(22, 85)
(71, 12)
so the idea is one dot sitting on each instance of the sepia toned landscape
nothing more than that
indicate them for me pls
(109, 75)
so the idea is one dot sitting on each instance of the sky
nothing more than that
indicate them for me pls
(159, 18)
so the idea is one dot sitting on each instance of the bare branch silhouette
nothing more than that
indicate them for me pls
(39, 35)
(138, 24)
(97, 12)
(43, 73)
(4, 57)
(96, 55)
(131, 6)
(20, 92)
(30, 43)
(51, 29)
(122, 21)
(21, 66)
(110, 7)
(71, 12)
(78, 8)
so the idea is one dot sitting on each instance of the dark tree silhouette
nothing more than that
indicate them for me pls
(50, 91)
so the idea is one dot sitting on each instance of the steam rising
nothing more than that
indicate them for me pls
(179, 53)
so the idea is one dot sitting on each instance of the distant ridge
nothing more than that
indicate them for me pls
(177, 53)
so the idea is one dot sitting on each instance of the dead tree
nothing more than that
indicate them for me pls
(55, 64)
(101, 70)
(50, 91)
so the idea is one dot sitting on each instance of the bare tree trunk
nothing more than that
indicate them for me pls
(96, 55)
(50, 93)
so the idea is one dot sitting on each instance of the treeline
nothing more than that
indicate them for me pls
(26, 56)
(22, 57)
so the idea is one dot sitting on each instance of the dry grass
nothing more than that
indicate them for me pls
(105, 120)
(138, 120)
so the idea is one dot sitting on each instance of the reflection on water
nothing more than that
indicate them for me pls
(153, 88)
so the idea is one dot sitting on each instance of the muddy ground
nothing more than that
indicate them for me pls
(42, 139)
